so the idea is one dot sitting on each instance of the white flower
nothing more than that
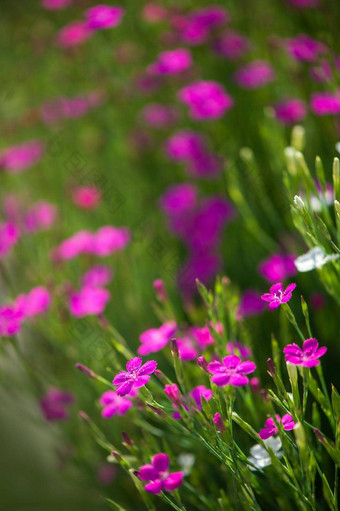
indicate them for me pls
(186, 461)
(314, 258)
(260, 457)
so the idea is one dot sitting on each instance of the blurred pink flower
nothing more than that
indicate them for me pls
(278, 267)
(109, 239)
(40, 216)
(206, 100)
(158, 477)
(73, 34)
(88, 301)
(54, 404)
(37, 301)
(171, 62)
(55, 5)
(9, 236)
(255, 74)
(307, 356)
(239, 349)
(304, 48)
(18, 158)
(10, 320)
(154, 12)
(250, 304)
(232, 45)
(179, 200)
(290, 111)
(87, 197)
(155, 339)
(80, 243)
(97, 276)
(135, 376)
(158, 115)
(114, 404)
(325, 103)
(103, 16)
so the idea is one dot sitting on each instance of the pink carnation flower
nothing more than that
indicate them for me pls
(135, 376)
(40, 216)
(325, 103)
(278, 267)
(255, 75)
(103, 16)
(97, 276)
(271, 429)
(206, 100)
(108, 240)
(80, 243)
(73, 34)
(231, 371)
(10, 320)
(18, 158)
(237, 348)
(156, 339)
(304, 48)
(278, 295)
(171, 62)
(9, 236)
(88, 301)
(232, 45)
(290, 111)
(55, 5)
(178, 200)
(55, 404)
(37, 301)
(87, 197)
(307, 356)
(158, 477)
(114, 404)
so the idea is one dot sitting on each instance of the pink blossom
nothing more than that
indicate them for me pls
(278, 295)
(88, 301)
(18, 158)
(237, 348)
(73, 34)
(217, 420)
(54, 404)
(211, 16)
(250, 304)
(9, 236)
(325, 103)
(255, 74)
(206, 100)
(87, 197)
(135, 376)
(55, 5)
(271, 429)
(290, 111)
(156, 339)
(113, 404)
(195, 27)
(171, 62)
(232, 45)
(10, 320)
(158, 115)
(278, 267)
(307, 356)
(178, 200)
(80, 243)
(304, 48)
(158, 477)
(37, 301)
(108, 240)
(195, 395)
(187, 348)
(231, 371)
(103, 16)
(40, 216)
(322, 72)
(160, 290)
(97, 276)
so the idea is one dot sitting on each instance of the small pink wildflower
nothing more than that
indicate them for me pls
(237, 348)
(156, 339)
(250, 305)
(325, 103)
(158, 477)
(231, 371)
(278, 295)
(9, 236)
(278, 267)
(113, 404)
(206, 100)
(87, 197)
(37, 301)
(109, 239)
(290, 111)
(97, 276)
(103, 16)
(171, 62)
(10, 320)
(158, 115)
(271, 429)
(304, 48)
(88, 301)
(217, 420)
(54, 404)
(136, 376)
(307, 356)
(40, 216)
(254, 75)
(73, 34)
(18, 158)
(232, 45)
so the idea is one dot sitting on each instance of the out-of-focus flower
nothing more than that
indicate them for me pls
(237, 348)
(195, 27)
(206, 100)
(193, 401)
(315, 258)
(186, 461)
(88, 301)
(106, 473)
(54, 404)
(304, 48)
(278, 295)
(232, 45)
(160, 290)
(9, 236)
(18, 158)
(55, 5)
(231, 371)
(102, 16)
(158, 477)
(97, 276)
(158, 115)
(254, 75)
(322, 72)
(113, 404)
(37, 301)
(259, 456)
(87, 197)
(317, 301)
(308, 356)
(80, 243)
(178, 200)
(73, 34)
(325, 103)
(250, 304)
(155, 339)
(171, 62)
(40, 216)
(10, 320)
(290, 111)
(270, 428)
(154, 13)
(135, 376)
(277, 267)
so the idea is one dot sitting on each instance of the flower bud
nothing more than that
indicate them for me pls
(173, 393)
(86, 370)
(161, 293)
(299, 202)
(217, 420)
(202, 363)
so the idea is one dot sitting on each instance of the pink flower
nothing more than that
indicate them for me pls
(114, 404)
(97, 276)
(40, 216)
(211, 16)
(325, 103)
(73, 34)
(217, 420)
(254, 75)
(103, 16)
(304, 48)
(156, 339)
(307, 356)
(88, 301)
(55, 5)
(87, 197)
(250, 304)
(37, 301)
(54, 404)
(231, 371)
(158, 115)
(171, 62)
(271, 429)
(80, 243)
(18, 158)
(278, 267)
(9, 236)
(232, 45)
(108, 240)
(290, 111)
(237, 348)
(10, 320)
(179, 200)
(136, 376)
(278, 295)
(206, 100)
(158, 477)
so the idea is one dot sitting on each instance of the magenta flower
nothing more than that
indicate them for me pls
(271, 429)
(10, 320)
(254, 75)
(237, 348)
(87, 197)
(250, 305)
(37, 301)
(97, 276)
(206, 100)
(290, 111)
(171, 62)
(103, 16)
(231, 371)
(80, 243)
(54, 404)
(109, 239)
(158, 477)
(232, 45)
(156, 339)
(278, 267)
(40, 216)
(113, 404)
(9, 236)
(278, 295)
(136, 376)
(158, 115)
(88, 301)
(73, 34)
(18, 158)
(307, 356)
(325, 103)
(304, 48)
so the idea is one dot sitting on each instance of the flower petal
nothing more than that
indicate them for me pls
(287, 422)
(216, 367)
(161, 462)
(246, 367)
(310, 345)
(173, 481)
(154, 487)
(124, 388)
(134, 364)
(231, 361)
(276, 288)
(121, 377)
(290, 288)
(273, 305)
(238, 380)
(220, 379)
(147, 473)
(148, 368)
(141, 381)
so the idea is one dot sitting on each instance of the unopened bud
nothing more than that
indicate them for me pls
(127, 441)
(299, 202)
(173, 393)
(174, 348)
(217, 420)
(271, 368)
(83, 416)
(161, 293)
(202, 363)
(86, 370)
